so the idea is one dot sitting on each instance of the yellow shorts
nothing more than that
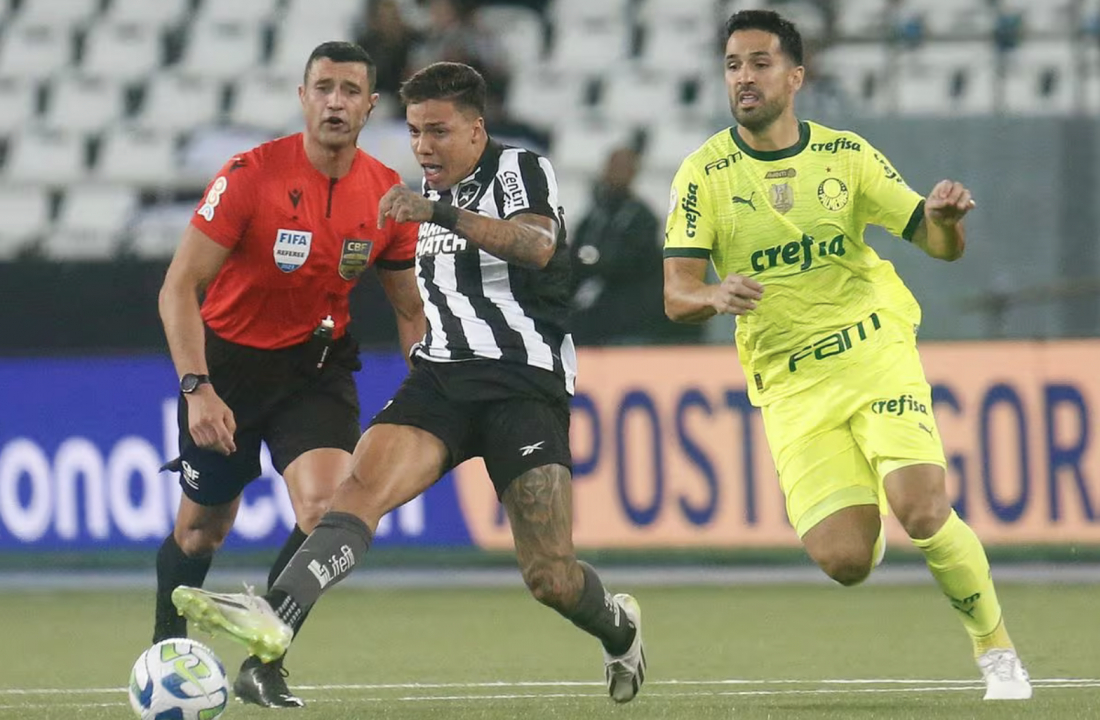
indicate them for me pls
(834, 443)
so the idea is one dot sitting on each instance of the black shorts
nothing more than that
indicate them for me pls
(276, 398)
(515, 417)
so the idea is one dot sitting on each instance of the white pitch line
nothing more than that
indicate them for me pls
(1057, 682)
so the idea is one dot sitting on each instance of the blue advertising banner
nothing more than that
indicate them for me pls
(82, 441)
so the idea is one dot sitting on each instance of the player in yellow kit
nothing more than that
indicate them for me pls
(826, 330)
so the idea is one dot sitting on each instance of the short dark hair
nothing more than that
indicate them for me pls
(790, 40)
(457, 82)
(342, 51)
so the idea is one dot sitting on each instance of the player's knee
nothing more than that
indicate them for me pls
(923, 518)
(309, 510)
(201, 539)
(847, 568)
(549, 584)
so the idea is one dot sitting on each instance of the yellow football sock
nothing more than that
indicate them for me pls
(958, 562)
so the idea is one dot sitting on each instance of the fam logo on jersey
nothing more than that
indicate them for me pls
(690, 206)
(354, 258)
(515, 197)
(835, 343)
(722, 163)
(292, 249)
(832, 193)
(466, 194)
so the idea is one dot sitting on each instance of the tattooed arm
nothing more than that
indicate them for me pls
(527, 239)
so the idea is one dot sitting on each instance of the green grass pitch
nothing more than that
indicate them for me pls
(776, 651)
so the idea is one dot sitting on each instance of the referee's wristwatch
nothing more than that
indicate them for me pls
(190, 382)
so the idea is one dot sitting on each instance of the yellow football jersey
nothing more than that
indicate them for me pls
(793, 220)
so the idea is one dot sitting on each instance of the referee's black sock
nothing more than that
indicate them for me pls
(327, 556)
(175, 568)
(293, 542)
(597, 614)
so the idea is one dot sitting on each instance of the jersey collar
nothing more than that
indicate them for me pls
(768, 155)
(488, 164)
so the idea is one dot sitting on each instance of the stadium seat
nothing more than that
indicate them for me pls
(123, 51)
(90, 223)
(639, 96)
(35, 51)
(570, 13)
(237, 11)
(949, 18)
(18, 103)
(159, 14)
(294, 41)
(584, 146)
(179, 103)
(861, 19)
(61, 14)
(140, 158)
(266, 103)
(862, 71)
(83, 104)
(221, 51)
(808, 17)
(1048, 18)
(520, 30)
(591, 46)
(388, 141)
(683, 37)
(45, 158)
(654, 187)
(667, 144)
(946, 78)
(574, 194)
(156, 230)
(1039, 78)
(542, 96)
(26, 213)
(344, 12)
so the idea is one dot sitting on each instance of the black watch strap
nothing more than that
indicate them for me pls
(190, 382)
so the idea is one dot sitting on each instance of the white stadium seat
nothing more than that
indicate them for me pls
(35, 51)
(343, 13)
(639, 96)
(1039, 79)
(294, 41)
(125, 51)
(159, 14)
(584, 147)
(266, 103)
(669, 143)
(237, 11)
(83, 104)
(221, 50)
(18, 103)
(590, 47)
(179, 103)
(157, 230)
(45, 158)
(26, 215)
(57, 13)
(90, 223)
(520, 31)
(567, 13)
(78, 245)
(141, 158)
(543, 96)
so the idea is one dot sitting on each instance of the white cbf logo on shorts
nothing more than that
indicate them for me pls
(292, 249)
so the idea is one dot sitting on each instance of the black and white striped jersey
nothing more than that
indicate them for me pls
(479, 306)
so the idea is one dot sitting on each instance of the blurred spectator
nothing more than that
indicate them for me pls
(616, 264)
(389, 40)
(454, 35)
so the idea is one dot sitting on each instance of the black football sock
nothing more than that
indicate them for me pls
(175, 568)
(327, 556)
(597, 614)
(297, 537)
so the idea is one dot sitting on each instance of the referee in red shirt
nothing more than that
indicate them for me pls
(278, 241)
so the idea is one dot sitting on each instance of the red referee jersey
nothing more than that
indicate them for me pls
(300, 241)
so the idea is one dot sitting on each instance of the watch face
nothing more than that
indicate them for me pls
(188, 383)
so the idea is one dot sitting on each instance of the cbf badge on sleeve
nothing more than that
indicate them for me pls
(292, 249)
(354, 257)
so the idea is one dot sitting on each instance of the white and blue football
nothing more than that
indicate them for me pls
(178, 679)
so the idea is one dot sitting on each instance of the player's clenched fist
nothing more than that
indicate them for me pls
(736, 295)
(403, 205)
(948, 202)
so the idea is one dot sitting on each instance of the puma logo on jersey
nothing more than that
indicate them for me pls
(738, 200)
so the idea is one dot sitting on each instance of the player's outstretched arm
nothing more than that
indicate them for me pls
(941, 233)
(689, 299)
(527, 239)
(404, 295)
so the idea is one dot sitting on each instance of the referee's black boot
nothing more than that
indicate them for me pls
(264, 684)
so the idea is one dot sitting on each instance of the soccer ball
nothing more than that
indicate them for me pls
(178, 679)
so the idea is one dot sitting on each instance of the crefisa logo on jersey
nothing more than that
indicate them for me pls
(690, 206)
(292, 249)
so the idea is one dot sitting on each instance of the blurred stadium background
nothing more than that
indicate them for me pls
(114, 114)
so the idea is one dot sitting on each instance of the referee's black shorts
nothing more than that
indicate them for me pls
(276, 399)
(515, 417)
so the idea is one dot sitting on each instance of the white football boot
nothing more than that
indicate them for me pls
(1005, 676)
(243, 616)
(626, 673)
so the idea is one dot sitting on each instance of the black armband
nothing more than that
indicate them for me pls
(445, 216)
